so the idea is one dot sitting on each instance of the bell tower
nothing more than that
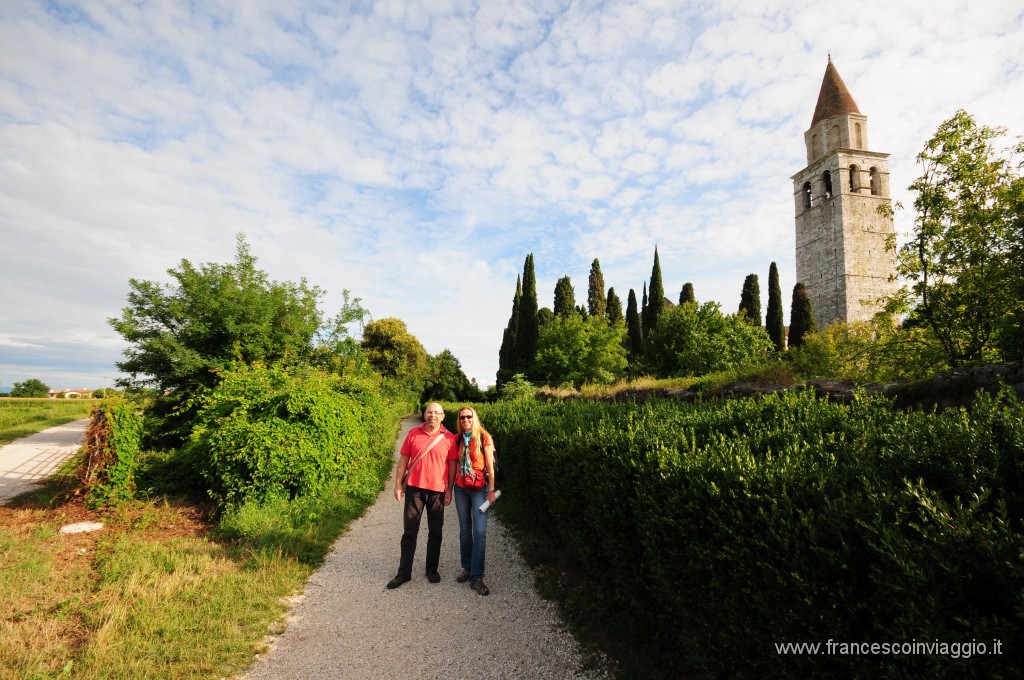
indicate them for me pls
(841, 254)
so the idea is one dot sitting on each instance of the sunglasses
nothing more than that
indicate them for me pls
(465, 417)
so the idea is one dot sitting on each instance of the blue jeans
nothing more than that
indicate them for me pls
(472, 529)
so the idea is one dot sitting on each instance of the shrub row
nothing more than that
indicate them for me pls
(722, 528)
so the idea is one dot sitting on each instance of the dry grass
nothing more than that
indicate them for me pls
(153, 594)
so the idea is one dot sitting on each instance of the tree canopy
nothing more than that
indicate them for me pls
(33, 387)
(578, 350)
(963, 259)
(395, 352)
(565, 298)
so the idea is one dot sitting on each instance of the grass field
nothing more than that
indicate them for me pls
(22, 417)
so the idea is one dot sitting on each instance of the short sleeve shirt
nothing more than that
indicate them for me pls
(432, 471)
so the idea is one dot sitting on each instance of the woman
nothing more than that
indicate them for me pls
(474, 484)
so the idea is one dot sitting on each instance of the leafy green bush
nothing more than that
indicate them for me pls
(696, 340)
(718, 529)
(112, 452)
(269, 432)
(518, 388)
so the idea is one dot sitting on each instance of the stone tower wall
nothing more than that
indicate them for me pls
(841, 237)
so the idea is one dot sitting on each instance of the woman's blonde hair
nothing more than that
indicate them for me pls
(477, 431)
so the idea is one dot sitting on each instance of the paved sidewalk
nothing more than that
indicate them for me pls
(28, 461)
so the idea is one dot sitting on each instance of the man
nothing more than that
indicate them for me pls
(429, 455)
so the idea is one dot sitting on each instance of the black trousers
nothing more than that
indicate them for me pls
(416, 501)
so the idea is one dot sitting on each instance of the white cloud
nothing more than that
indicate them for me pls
(358, 148)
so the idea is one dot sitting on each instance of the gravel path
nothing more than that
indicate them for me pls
(348, 625)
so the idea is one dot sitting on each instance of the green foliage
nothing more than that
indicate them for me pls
(112, 443)
(182, 335)
(507, 352)
(750, 299)
(270, 432)
(634, 329)
(963, 258)
(446, 381)
(773, 322)
(740, 524)
(33, 387)
(686, 294)
(596, 301)
(565, 298)
(875, 351)
(395, 352)
(575, 350)
(518, 388)
(801, 316)
(696, 340)
(613, 308)
(656, 297)
(529, 326)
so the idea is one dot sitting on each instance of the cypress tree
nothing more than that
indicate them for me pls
(801, 316)
(507, 353)
(686, 294)
(773, 319)
(644, 318)
(596, 303)
(656, 296)
(750, 299)
(526, 336)
(565, 298)
(613, 307)
(634, 329)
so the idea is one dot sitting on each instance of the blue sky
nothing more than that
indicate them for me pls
(415, 152)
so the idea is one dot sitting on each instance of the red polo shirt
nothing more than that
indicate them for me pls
(432, 470)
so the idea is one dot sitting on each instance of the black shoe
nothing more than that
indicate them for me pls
(478, 586)
(397, 581)
(463, 576)
(433, 577)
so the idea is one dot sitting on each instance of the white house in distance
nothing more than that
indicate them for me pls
(71, 394)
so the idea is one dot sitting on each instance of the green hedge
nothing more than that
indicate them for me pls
(723, 528)
(266, 433)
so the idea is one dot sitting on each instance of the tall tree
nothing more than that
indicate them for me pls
(183, 336)
(507, 353)
(750, 299)
(395, 352)
(565, 298)
(656, 295)
(801, 316)
(686, 294)
(613, 307)
(528, 332)
(644, 318)
(596, 302)
(634, 328)
(959, 260)
(773, 320)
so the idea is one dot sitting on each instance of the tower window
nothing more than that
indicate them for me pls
(873, 174)
(854, 178)
(833, 138)
(859, 135)
(826, 178)
(815, 151)
(806, 191)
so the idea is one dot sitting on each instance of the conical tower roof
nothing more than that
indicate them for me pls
(833, 99)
